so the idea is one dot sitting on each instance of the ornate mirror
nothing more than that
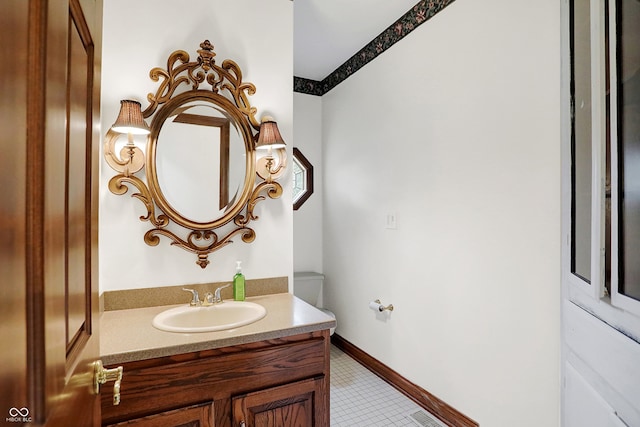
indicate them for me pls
(200, 165)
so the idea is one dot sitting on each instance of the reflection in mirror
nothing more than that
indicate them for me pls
(200, 159)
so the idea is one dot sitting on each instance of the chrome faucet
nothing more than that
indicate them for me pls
(217, 298)
(195, 300)
(209, 298)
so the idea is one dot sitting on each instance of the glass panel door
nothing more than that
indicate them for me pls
(581, 151)
(626, 154)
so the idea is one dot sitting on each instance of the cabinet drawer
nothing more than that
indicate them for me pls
(192, 416)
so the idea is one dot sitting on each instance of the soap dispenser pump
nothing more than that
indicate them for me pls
(238, 283)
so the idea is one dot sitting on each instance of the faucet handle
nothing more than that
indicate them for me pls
(217, 298)
(195, 300)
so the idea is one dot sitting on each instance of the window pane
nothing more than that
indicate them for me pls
(629, 145)
(581, 139)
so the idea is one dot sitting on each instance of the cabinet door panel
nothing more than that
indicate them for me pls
(296, 404)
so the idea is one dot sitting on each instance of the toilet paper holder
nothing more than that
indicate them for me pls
(377, 305)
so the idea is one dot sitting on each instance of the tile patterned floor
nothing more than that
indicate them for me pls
(360, 398)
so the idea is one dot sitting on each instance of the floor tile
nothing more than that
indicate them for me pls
(361, 398)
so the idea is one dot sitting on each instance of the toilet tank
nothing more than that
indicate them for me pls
(307, 285)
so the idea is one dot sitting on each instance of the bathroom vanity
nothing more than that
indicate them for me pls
(274, 372)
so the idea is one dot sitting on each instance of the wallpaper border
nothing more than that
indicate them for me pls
(417, 15)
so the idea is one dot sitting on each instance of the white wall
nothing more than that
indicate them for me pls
(307, 220)
(455, 130)
(140, 35)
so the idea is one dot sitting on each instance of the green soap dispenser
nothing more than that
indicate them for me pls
(238, 283)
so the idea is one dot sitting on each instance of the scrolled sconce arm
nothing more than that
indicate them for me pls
(265, 168)
(131, 159)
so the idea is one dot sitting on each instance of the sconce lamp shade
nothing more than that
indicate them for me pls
(130, 119)
(269, 136)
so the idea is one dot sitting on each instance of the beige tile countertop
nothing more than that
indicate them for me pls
(128, 335)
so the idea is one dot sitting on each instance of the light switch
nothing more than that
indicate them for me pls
(391, 222)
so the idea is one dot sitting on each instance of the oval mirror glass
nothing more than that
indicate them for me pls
(200, 161)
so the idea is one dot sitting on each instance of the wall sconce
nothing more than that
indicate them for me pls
(270, 139)
(131, 122)
(130, 119)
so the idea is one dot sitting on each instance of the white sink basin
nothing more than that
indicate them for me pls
(217, 317)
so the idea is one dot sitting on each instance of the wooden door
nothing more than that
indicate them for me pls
(70, 226)
(293, 405)
(13, 142)
(52, 174)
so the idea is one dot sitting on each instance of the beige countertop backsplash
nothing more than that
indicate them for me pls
(151, 297)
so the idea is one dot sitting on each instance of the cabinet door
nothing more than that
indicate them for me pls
(192, 416)
(298, 404)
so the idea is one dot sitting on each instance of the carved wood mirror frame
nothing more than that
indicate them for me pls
(222, 86)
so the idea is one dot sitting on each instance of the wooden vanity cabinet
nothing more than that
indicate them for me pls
(280, 382)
